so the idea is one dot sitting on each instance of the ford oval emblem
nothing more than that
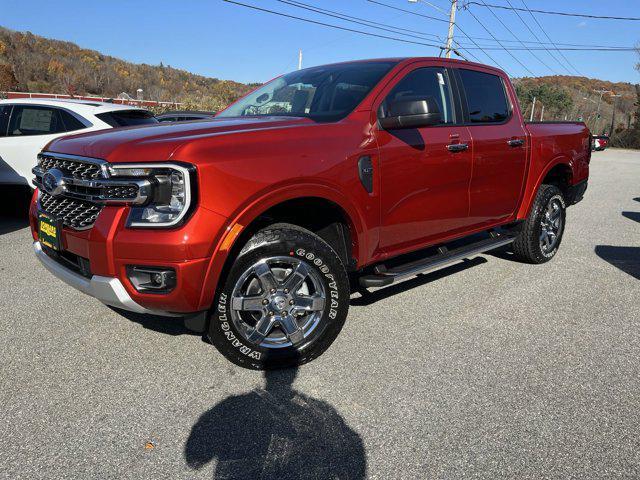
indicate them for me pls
(53, 182)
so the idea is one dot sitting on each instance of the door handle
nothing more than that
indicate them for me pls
(457, 147)
(515, 142)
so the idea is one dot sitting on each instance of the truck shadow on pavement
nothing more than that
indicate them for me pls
(635, 216)
(276, 432)
(367, 297)
(626, 259)
(168, 325)
(14, 208)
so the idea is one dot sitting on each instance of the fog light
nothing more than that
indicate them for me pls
(152, 279)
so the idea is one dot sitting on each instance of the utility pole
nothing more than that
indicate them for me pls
(452, 23)
(533, 107)
(300, 59)
(613, 113)
(542, 113)
(601, 92)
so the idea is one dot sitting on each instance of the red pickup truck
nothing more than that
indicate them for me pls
(258, 225)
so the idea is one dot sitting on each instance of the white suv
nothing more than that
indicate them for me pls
(27, 125)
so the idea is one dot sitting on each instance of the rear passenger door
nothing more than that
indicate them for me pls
(424, 172)
(499, 146)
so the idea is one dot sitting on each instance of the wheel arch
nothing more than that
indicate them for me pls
(319, 208)
(559, 172)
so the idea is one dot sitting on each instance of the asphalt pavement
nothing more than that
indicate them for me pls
(489, 369)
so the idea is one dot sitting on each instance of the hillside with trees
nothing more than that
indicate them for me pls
(577, 98)
(32, 63)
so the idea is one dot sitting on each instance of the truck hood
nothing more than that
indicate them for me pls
(158, 142)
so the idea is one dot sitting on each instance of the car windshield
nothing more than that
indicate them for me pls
(327, 93)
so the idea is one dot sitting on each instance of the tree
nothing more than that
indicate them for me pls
(8, 80)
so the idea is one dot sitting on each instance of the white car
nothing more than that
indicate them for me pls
(27, 125)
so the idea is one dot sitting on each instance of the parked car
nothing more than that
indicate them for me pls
(27, 125)
(258, 226)
(600, 142)
(185, 116)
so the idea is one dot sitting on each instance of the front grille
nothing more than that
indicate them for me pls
(74, 213)
(73, 168)
(121, 191)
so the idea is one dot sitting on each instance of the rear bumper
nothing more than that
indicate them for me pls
(109, 290)
(576, 192)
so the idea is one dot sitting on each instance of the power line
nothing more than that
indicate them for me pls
(370, 34)
(538, 38)
(547, 12)
(409, 11)
(358, 20)
(503, 47)
(439, 19)
(549, 38)
(365, 22)
(516, 37)
(539, 42)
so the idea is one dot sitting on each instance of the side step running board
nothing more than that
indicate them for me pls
(383, 276)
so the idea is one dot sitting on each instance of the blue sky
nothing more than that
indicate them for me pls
(221, 40)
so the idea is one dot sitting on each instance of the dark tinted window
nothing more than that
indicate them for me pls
(425, 82)
(167, 119)
(70, 122)
(326, 93)
(127, 118)
(4, 119)
(486, 97)
(33, 120)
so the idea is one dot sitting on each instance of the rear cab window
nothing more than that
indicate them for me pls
(486, 97)
(127, 118)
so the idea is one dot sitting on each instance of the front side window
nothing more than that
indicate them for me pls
(486, 97)
(34, 120)
(422, 83)
(327, 93)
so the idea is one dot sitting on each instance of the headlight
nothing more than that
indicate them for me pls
(171, 196)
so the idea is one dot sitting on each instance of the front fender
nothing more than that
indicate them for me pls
(245, 215)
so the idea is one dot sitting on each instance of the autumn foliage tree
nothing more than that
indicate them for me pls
(37, 64)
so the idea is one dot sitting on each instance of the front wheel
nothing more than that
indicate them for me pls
(541, 235)
(284, 301)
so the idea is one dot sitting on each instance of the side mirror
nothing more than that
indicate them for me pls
(410, 112)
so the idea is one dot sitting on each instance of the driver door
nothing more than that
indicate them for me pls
(424, 172)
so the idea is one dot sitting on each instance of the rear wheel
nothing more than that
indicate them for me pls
(541, 235)
(284, 301)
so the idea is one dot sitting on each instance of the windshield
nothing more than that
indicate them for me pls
(328, 93)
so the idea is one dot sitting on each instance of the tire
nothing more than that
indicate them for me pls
(536, 242)
(259, 323)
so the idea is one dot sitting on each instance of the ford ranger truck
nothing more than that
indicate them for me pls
(258, 225)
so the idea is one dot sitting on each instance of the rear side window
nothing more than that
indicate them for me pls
(127, 118)
(34, 120)
(422, 83)
(70, 122)
(486, 97)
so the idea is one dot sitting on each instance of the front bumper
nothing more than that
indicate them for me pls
(109, 290)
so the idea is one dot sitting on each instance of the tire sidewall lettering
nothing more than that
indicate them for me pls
(333, 304)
